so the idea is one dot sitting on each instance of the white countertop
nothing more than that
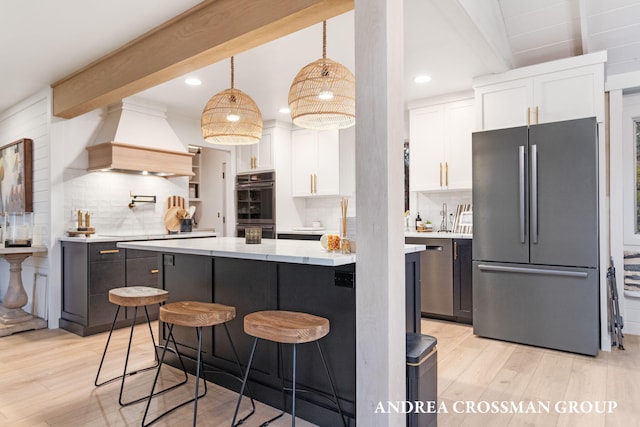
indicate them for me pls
(119, 237)
(277, 250)
(437, 235)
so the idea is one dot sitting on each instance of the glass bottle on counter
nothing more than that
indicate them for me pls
(419, 224)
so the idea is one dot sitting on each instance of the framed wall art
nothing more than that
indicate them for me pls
(16, 176)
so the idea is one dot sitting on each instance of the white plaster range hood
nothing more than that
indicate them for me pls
(136, 138)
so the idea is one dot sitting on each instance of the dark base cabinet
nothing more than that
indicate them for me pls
(251, 286)
(462, 289)
(89, 271)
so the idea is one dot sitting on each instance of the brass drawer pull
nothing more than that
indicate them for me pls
(154, 271)
(109, 251)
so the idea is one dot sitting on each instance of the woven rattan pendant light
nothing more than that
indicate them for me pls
(323, 93)
(231, 117)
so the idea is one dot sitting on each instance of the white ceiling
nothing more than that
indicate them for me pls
(452, 40)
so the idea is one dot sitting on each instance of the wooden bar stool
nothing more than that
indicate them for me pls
(287, 327)
(197, 315)
(134, 296)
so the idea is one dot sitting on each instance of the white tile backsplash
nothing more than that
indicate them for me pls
(106, 196)
(327, 210)
(430, 205)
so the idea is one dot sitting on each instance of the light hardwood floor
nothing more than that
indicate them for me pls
(46, 379)
(476, 369)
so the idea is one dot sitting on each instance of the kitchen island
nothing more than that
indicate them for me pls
(276, 274)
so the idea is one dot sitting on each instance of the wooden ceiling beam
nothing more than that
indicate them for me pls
(207, 33)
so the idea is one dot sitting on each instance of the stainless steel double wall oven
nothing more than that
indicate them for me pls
(256, 203)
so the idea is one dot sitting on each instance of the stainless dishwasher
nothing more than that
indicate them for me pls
(436, 275)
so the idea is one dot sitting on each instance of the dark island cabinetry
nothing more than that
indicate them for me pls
(89, 271)
(254, 285)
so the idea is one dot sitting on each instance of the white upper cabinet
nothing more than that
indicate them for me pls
(440, 146)
(560, 90)
(315, 163)
(256, 157)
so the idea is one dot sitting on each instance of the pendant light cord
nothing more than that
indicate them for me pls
(232, 72)
(324, 39)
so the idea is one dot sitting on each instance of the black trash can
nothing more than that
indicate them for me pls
(422, 380)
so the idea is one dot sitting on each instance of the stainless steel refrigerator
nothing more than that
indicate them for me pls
(535, 235)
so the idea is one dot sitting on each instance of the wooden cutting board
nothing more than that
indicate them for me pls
(172, 218)
(175, 201)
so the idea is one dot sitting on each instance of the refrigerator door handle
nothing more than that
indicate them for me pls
(506, 269)
(521, 183)
(534, 193)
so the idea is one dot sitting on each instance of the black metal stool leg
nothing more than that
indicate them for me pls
(237, 357)
(293, 387)
(126, 360)
(104, 353)
(153, 340)
(244, 383)
(284, 390)
(200, 368)
(333, 389)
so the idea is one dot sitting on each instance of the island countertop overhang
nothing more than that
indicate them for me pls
(276, 250)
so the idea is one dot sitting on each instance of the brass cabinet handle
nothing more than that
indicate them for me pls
(109, 251)
(455, 250)
(537, 114)
(440, 174)
(447, 174)
(311, 183)
(154, 271)
(315, 183)
(528, 116)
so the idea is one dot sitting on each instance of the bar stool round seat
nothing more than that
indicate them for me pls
(288, 327)
(136, 297)
(198, 315)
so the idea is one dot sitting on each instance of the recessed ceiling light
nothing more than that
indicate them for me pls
(422, 79)
(285, 110)
(193, 81)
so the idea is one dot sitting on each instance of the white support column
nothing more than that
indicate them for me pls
(380, 295)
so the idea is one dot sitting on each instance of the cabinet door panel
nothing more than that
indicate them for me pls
(265, 153)
(459, 126)
(197, 272)
(74, 280)
(249, 286)
(101, 311)
(244, 156)
(462, 282)
(565, 95)
(328, 163)
(142, 272)
(311, 289)
(426, 155)
(504, 105)
(107, 251)
(303, 162)
(104, 276)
